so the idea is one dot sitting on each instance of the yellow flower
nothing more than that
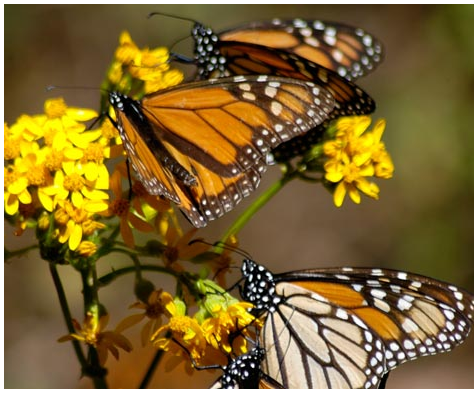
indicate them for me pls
(184, 329)
(59, 117)
(70, 184)
(15, 190)
(225, 323)
(154, 310)
(87, 248)
(127, 50)
(93, 334)
(73, 223)
(225, 320)
(219, 328)
(165, 80)
(148, 66)
(355, 154)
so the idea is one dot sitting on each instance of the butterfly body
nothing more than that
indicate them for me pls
(203, 145)
(347, 327)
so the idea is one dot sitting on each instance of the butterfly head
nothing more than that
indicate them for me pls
(209, 60)
(117, 100)
(123, 103)
(259, 287)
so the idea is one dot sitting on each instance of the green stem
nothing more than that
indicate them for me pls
(108, 278)
(256, 205)
(91, 305)
(67, 314)
(9, 254)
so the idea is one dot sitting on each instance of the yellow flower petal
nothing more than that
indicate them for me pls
(353, 193)
(11, 204)
(18, 186)
(339, 194)
(81, 114)
(75, 237)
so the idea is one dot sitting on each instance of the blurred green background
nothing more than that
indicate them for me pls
(423, 222)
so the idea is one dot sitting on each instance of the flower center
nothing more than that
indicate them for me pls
(154, 311)
(73, 182)
(54, 160)
(180, 324)
(11, 148)
(120, 207)
(55, 108)
(37, 175)
(351, 172)
(94, 153)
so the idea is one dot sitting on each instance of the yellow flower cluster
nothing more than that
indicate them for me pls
(55, 172)
(218, 328)
(54, 165)
(148, 66)
(92, 333)
(355, 154)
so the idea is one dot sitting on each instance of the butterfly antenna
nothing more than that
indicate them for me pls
(50, 88)
(175, 56)
(151, 14)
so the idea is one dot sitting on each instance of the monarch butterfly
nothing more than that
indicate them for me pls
(326, 53)
(202, 145)
(349, 51)
(347, 327)
(245, 58)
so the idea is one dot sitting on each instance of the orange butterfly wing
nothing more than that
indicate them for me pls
(203, 145)
(350, 51)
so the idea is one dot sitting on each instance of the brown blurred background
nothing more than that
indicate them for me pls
(423, 222)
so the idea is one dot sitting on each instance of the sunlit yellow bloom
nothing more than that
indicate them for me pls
(70, 184)
(225, 322)
(127, 50)
(74, 223)
(93, 334)
(184, 329)
(380, 157)
(355, 154)
(58, 116)
(15, 190)
(26, 128)
(219, 328)
(11, 144)
(168, 79)
(150, 66)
